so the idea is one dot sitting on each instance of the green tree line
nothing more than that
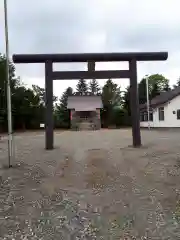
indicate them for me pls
(28, 104)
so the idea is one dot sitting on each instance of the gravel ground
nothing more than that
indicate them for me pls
(93, 185)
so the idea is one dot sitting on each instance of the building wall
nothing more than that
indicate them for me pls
(170, 119)
(145, 124)
(72, 111)
(98, 113)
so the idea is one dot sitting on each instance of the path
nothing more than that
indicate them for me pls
(93, 185)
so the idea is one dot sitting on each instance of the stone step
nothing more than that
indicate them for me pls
(86, 126)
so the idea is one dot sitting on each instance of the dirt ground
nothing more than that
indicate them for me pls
(93, 185)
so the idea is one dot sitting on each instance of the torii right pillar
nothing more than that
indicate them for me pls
(134, 102)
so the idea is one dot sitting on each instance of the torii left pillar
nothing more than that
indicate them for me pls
(49, 121)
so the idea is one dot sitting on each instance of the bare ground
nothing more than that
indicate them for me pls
(93, 185)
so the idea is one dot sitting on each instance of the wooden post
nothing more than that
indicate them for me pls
(134, 101)
(49, 138)
(91, 66)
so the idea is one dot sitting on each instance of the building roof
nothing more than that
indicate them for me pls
(163, 98)
(85, 94)
(84, 102)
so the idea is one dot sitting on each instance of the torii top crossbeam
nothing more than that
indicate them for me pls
(94, 57)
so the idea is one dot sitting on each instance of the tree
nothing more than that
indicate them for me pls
(157, 83)
(3, 72)
(14, 83)
(142, 91)
(126, 101)
(40, 92)
(64, 99)
(27, 107)
(111, 97)
(177, 83)
(158, 79)
(166, 87)
(82, 86)
(120, 117)
(62, 118)
(94, 87)
(155, 91)
(26, 115)
(111, 94)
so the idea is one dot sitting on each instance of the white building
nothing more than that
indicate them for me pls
(164, 110)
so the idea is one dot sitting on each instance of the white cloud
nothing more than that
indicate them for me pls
(93, 26)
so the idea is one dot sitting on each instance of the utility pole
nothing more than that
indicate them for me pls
(147, 100)
(9, 111)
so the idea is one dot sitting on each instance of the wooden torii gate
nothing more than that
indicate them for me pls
(90, 58)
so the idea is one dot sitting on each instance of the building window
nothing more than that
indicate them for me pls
(141, 117)
(161, 114)
(151, 116)
(178, 114)
(144, 116)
